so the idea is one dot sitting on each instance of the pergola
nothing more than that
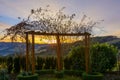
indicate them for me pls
(59, 66)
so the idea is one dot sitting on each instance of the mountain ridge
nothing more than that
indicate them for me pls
(9, 48)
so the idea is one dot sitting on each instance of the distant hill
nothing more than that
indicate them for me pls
(8, 48)
(107, 39)
(15, 48)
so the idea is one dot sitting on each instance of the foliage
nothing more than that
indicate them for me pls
(16, 64)
(10, 64)
(50, 63)
(47, 21)
(92, 76)
(3, 74)
(73, 72)
(59, 74)
(23, 63)
(26, 76)
(64, 78)
(3, 61)
(43, 72)
(40, 62)
(47, 63)
(53, 62)
(103, 57)
(67, 63)
(77, 58)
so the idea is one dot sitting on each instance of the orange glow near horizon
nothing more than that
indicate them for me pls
(43, 40)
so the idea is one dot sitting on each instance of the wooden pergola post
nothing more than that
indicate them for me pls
(87, 38)
(59, 67)
(59, 56)
(33, 54)
(27, 52)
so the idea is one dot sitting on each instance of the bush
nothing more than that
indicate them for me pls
(27, 77)
(53, 62)
(23, 63)
(92, 76)
(77, 58)
(59, 74)
(73, 72)
(67, 63)
(103, 57)
(16, 64)
(40, 62)
(47, 63)
(9, 64)
(43, 72)
(3, 74)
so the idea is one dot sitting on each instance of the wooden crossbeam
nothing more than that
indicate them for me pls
(54, 34)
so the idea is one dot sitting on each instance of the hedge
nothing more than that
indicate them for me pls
(92, 76)
(73, 72)
(28, 77)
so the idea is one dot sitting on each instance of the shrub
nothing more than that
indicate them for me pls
(40, 62)
(59, 74)
(3, 74)
(9, 64)
(67, 63)
(73, 72)
(16, 64)
(77, 58)
(92, 76)
(43, 72)
(53, 62)
(47, 63)
(26, 76)
(103, 57)
(23, 63)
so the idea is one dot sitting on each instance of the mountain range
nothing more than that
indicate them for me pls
(9, 48)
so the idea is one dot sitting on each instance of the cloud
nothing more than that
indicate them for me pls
(21, 8)
(98, 10)
(4, 25)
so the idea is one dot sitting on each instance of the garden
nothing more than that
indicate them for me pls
(89, 61)
(73, 65)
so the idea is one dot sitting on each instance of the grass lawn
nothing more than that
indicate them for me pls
(47, 77)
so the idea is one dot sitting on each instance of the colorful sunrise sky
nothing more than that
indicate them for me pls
(107, 10)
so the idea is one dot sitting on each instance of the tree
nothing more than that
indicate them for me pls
(103, 57)
(49, 21)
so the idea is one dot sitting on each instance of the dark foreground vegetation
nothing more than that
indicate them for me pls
(102, 58)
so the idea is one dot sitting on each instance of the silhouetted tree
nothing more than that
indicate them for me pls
(49, 21)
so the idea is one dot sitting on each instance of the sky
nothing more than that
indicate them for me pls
(107, 10)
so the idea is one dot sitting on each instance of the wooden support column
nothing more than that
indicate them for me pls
(86, 54)
(89, 63)
(59, 67)
(33, 55)
(27, 52)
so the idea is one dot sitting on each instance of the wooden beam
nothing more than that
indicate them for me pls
(59, 67)
(33, 55)
(60, 34)
(90, 68)
(86, 54)
(27, 52)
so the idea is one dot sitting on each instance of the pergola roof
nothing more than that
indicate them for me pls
(54, 34)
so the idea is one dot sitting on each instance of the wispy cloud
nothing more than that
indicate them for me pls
(96, 9)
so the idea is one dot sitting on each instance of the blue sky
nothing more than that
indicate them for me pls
(107, 10)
